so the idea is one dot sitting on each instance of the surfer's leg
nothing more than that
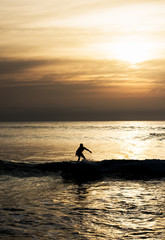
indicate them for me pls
(82, 155)
(78, 158)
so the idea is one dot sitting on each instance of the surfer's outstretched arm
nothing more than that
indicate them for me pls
(88, 150)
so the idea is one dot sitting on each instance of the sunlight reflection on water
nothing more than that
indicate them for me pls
(133, 146)
(58, 141)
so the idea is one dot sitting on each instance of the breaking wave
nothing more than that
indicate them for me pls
(88, 170)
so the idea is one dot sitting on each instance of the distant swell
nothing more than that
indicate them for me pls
(89, 170)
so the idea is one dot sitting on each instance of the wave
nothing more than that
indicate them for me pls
(88, 170)
(160, 136)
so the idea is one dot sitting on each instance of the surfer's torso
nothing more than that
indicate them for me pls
(79, 151)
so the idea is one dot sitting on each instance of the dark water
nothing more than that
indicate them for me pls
(47, 207)
(41, 203)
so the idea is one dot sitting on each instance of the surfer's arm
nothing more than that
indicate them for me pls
(88, 150)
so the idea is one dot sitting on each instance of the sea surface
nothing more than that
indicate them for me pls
(45, 205)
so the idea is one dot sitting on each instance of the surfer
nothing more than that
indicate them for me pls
(80, 150)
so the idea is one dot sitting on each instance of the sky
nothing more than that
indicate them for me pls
(82, 60)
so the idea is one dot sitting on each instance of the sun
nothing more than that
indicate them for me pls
(132, 51)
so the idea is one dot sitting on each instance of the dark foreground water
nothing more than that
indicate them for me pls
(38, 202)
(48, 207)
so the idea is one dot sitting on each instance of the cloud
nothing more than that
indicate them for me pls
(56, 28)
(10, 66)
(64, 66)
(154, 72)
(99, 75)
(49, 51)
(81, 85)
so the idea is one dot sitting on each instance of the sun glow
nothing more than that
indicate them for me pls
(132, 51)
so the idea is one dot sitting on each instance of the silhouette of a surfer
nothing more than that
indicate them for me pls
(80, 150)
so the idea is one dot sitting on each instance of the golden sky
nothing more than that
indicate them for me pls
(91, 59)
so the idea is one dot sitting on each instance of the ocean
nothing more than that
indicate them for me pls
(117, 193)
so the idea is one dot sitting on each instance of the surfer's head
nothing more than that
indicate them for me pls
(81, 145)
